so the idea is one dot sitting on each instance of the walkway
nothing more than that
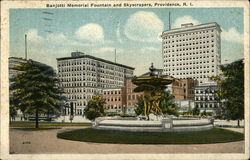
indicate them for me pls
(45, 141)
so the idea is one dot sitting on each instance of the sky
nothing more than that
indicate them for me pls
(133, 32)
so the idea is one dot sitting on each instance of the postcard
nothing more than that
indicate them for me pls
(146, 79)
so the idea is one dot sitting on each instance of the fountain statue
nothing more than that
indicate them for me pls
(152, 84)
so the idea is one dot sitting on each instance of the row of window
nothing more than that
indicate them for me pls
(205, 91)
(205, 105)
(198, 50)
(190, 58)
(194, 38)
(113, 107)
(89, 84)
(183, 56)
(133, 97)
(89, 79)
(89, 63)
(203, 98)
(111, 92)
(169, 68)
(182, 76)
(194, 62)
(187, 45)
(69, 69)
(113, 99)
(191, 72)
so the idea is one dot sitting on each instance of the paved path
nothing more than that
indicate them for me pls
(45, 141)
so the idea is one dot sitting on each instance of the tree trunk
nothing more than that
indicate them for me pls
(37, 118)
(238, 123)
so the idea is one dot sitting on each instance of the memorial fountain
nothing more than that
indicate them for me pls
(152, 84)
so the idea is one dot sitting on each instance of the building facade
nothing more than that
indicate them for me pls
(192, 51)
(113, 98)
(14, 61)
(129, 98)
(183, 91)
(206, 98)
(81, 76)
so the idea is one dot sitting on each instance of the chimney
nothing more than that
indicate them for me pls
(186, 25)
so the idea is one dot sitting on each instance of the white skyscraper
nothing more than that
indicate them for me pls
(192, 51)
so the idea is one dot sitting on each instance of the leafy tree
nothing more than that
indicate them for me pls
(95, 107)
(196, 111)
(34, 90)
(139, 106)
(231, 90)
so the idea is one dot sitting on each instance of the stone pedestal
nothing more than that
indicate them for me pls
(167, 124)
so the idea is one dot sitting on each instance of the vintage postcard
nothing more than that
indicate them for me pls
(124, 79)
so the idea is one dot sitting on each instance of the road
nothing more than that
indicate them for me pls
(45, 141)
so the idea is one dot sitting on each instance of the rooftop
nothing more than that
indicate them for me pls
(190, 26)
(76, 55)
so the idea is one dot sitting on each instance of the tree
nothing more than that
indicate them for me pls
(34, 90)
(167, 104)
(95, 107)
(196, 111)
(231, 90)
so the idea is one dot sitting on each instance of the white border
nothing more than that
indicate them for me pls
(4, 132)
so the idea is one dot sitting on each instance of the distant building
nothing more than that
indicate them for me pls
(113, 99)
(129, 97)
(183, 92)
(14, 61)
(206, 98)
(81, 76)
(183, 89)
(192, 51)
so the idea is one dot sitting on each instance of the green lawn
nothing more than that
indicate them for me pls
(215, 135)
(46, 124)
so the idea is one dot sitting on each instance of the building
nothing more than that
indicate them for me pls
(205, 97)
(183, 89)
(81, 76)
(192, 51)
(113, 99)
(129, 97)
(14, 61)
(183, 92)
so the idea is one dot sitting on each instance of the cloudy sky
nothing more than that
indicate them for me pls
(134, 33)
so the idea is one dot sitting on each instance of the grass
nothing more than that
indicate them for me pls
(46, 124)
(215, 135)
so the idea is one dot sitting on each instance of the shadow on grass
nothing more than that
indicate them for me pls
(215, 135)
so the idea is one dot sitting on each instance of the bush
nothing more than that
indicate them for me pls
(92, 114)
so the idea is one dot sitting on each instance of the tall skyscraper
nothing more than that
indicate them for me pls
(81, 76)
(192, 51)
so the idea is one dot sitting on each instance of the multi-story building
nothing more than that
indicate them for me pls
(113, 99)
(14, 61)
(206, 98)
(81, 76)
(129, 97)
(192, 51)
(183, 92)
(183, 88)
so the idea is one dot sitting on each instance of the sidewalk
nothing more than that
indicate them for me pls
(45, 141)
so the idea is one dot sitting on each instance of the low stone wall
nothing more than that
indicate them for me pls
(165, 125)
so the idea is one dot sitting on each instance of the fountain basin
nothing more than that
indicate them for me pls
(165, 125)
